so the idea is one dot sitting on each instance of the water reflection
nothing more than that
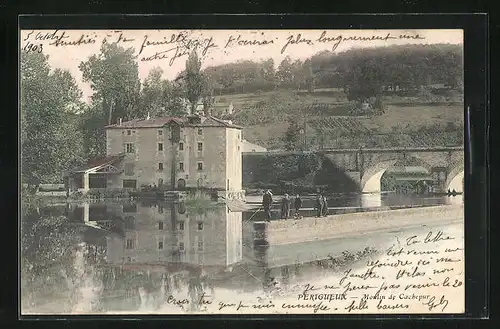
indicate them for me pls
(124, 255)
(154, 257)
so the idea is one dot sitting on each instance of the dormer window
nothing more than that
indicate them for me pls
(194, 119)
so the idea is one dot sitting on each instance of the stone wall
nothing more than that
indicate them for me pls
(310, 229)
(210, 157)
(145, 159)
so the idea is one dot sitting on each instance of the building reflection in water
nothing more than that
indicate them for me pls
(155, 234)
(155, 250)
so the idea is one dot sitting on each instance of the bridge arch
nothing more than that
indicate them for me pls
(370, 181)
(371, 178)
(455, 179)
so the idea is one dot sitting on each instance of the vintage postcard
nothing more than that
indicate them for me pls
(242, 172)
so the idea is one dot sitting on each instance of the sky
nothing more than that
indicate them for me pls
(168, 49)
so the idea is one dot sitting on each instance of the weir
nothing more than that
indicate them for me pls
(353, 224)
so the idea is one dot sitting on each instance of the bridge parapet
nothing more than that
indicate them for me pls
(365, 166)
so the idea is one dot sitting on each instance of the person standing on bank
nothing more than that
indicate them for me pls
(267, 201)
(319, 205)
(325, 206)
(297, 204)
(285, 207)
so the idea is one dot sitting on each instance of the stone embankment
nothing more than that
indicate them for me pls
(353, 224)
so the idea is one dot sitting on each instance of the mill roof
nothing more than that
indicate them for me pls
(182, 121)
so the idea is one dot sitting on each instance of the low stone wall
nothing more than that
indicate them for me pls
(311, 228)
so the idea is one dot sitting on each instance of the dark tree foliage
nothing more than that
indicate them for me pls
(363, 72)
(293, 136)
(51, 141)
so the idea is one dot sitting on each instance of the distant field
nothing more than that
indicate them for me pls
(415, 116)
(265, 115)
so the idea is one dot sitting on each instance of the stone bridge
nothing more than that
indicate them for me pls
(365, 167)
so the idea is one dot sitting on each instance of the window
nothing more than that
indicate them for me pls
(160, 147)
(181, 166)
(160, 132)
(160, 166)
(200, 131)
(200, 246)
(181, 246)
(181, 226)
(200, 147)
(130, 244)
(129, 132)
(160, 226)
(181, 146)
(129, 183)
(129, 169)
(160, 245)
(129, 223)
(129, 148)
(200, 226)
(200, 166)
(130, 208)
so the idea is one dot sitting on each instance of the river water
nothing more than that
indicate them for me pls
(132, 256)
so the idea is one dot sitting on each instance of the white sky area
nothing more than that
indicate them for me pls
(215, 46)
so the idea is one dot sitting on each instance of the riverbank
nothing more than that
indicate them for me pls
(353, 224)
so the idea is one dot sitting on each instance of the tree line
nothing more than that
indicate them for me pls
(361, 73)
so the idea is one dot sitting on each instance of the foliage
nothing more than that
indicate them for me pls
(293, 136)
(363, 73)
(105, 194)
(92, 127)
(51, 140)
(275, 169)
(389, 182)
(113, 75)
(160, 97)
(194, 80)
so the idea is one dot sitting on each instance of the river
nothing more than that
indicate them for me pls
(130, 256)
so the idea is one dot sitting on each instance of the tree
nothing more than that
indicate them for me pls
(193, 80)
(309, 75)
(292, 139)
(362, 80)
(94, 135)
(268, 72)
(114, 77)
(173, 94)
(208, 98)
(153, 95)
(285, 72)
(50, 138)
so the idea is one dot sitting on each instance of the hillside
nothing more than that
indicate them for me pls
(432, 118)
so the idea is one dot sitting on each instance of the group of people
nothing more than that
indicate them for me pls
(321, 205)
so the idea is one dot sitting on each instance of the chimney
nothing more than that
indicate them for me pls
(119, 121)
